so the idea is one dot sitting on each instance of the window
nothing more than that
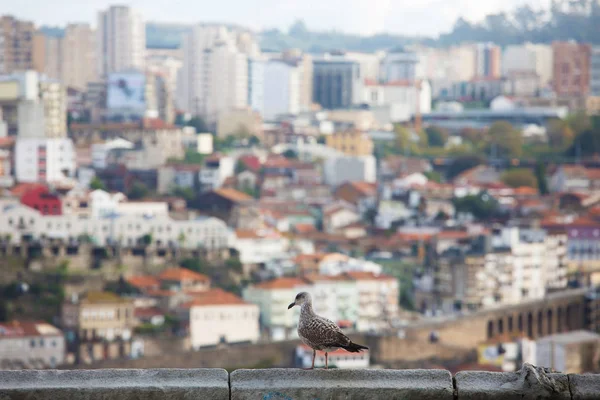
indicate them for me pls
(53, 343)
(32, 344)
(41, 342)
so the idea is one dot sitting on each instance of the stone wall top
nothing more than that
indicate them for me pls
(294, 384)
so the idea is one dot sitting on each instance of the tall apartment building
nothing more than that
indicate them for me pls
(487, 60)
(214, 76)
(399, 65)
(16, 45)
(304, 62)
(121, 40)
(48, 54)
(571, 68)
(336, 83)
(528, 58)
(79, 63)
(274, 87)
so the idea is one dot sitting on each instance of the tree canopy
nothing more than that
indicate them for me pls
(437, 136)
(519, 177)
(505, 139)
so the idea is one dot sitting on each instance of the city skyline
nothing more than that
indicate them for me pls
(427, 18)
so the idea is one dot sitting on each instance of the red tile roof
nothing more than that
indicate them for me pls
(251, 162)
(214, 297)
(22, 188)
(366, 188)
(143, 282)
(369, 276)
(281, 283)
(234, 195)
(16, 328)
(181, 274)
(147, 312)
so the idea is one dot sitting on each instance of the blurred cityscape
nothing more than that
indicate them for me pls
(166, 190)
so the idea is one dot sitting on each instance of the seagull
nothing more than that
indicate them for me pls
(319, 333)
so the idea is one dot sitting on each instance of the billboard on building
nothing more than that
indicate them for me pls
(127, 91)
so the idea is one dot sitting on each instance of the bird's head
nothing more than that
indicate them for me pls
(301, 298)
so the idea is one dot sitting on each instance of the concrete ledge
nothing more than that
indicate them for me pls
(288, 384)
(115, 384)
(584, 387)
(528, 383)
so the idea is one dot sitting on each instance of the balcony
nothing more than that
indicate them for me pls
(273, 384)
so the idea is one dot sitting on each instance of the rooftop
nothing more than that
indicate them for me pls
(16, 328)
(182, 274)
(214, 297)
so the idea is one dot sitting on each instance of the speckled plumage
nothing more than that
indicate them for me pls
(320, 333)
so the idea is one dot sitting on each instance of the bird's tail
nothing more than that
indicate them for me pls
(354, 348)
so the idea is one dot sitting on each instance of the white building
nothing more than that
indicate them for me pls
(370, 63)
(273, 298)
(215, 171)
(31, 345)
(121, 40)
(529, 57)
(256, 247)
(378, 297)
(401, 99)
(524, 264)
(100, 151)
(339, 358)
(337, 264)
(277, 91)
(399, 65)
(44, 160)
(217, 317)
(214, 76)
(338, 170)
(128, 230)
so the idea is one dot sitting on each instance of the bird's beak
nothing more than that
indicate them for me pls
(291, 305)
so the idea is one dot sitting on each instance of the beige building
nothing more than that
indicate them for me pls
(218, 317)
(30, 345)
(49, 59)
(54, 99)
(79, 64)
(352, 143)
(592, 105)
(241, 121)
(100, 315)
(16, 45)
(361, 119)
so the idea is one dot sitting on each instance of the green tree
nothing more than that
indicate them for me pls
(195, 264)
(290, 154)
(463, 163)
(240, 167)
(254, 140)
(433, 176)
(234, 264)
(97, 184)
(193, 157)
(147, 239)
(579, 122)
(519, 177)
(540, 175)
(198, 123)
(482, 205)
(184, 192)
(402, 139)
(507, 140)
(560, 134)
(138, 190)
(436, 136)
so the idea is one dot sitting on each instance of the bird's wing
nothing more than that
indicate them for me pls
(325, 333)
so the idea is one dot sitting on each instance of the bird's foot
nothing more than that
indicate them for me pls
(307, 369)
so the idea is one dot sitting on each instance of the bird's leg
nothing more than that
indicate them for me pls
(326, 362)
(314, 355)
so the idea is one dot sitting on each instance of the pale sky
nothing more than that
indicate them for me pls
(413, 17)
